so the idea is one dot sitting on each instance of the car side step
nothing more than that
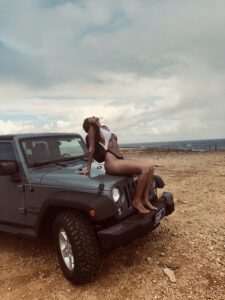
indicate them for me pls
(22, 231)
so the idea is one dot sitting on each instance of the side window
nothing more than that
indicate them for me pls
(7, 151)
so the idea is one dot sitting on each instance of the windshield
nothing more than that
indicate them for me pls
(49, 149)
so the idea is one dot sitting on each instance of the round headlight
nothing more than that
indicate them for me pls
(115, 194)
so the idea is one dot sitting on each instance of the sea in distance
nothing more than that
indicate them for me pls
(195, 145)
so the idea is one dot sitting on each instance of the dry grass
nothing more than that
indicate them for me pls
(192, 238)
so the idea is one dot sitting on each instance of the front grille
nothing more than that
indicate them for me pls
(127, 187)
(129, 191)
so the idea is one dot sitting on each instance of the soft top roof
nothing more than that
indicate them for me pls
(34, 135)
(6, 137)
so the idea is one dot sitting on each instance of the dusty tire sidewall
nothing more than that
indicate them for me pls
(61, 223)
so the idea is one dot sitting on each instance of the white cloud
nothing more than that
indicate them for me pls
(152, 70)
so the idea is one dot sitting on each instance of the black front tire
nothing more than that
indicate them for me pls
(79, 239)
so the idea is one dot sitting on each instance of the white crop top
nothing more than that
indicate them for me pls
(107, 135)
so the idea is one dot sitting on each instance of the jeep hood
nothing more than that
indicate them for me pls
(69, 177)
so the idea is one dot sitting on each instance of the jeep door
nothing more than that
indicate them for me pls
(11, 194)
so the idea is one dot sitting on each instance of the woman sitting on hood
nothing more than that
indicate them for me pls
(115, 164)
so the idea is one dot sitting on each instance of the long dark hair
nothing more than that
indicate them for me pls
(87, 125)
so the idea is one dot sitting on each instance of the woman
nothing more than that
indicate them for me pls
(116, 165)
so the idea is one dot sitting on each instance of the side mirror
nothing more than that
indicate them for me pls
(8, 168)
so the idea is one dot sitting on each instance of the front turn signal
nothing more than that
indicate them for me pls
(92, 213)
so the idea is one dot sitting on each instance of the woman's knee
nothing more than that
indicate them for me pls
(148, 170)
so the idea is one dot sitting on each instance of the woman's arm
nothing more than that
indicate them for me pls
(91, 149)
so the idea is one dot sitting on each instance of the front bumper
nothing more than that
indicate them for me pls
(137, 225)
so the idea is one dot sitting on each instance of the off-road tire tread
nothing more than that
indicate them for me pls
(84, 244)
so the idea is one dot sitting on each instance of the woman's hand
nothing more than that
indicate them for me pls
(84, 172)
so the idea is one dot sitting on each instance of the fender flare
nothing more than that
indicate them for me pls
(83, 202)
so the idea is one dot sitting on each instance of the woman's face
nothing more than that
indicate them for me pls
(93, 120)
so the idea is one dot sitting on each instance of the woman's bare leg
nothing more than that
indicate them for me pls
(139, 193)
(148, 188)
(128, 167)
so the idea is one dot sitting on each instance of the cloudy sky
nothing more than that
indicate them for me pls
(152, 70)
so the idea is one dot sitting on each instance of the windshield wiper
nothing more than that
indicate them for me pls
(42, 163)
(60, 161)
(75, 158)
(48, 162)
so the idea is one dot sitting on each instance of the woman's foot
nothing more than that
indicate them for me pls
(150, 206)
(140, 207)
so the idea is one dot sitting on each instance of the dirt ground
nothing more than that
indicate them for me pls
(191, 241)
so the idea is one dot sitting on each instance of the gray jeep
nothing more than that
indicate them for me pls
(40, 188)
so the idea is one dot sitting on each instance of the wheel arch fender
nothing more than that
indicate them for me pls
(82, 202)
